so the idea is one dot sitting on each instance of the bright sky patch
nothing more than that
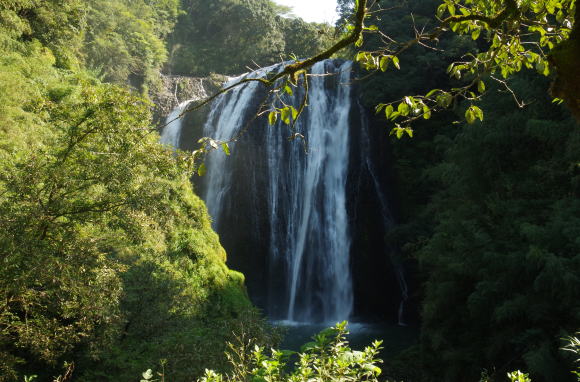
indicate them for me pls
(313, 10)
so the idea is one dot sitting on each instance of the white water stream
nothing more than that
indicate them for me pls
(306, 193)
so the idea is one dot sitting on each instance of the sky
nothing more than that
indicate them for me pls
(313, 10)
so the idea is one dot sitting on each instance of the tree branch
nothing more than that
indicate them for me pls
(293, 69)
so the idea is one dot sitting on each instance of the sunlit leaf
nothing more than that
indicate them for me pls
(226, 148)
(272, 117)
(201, 170)
(396, 62)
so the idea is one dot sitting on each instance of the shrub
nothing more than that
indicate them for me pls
(327, 358)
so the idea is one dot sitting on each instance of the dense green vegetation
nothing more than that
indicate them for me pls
(489, 211)
(327, 358)
(254, 34)
(125, 40)
(108, 258)
(508, 36)
(504, 246)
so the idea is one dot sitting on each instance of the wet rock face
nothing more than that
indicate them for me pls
(174, 90)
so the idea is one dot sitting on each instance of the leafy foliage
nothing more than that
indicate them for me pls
(108, 258)
(124, 40)
(55, 24)
(204, 41)
(302, 39)
(488, 210)
(327, 358)
(515, 35)
(496, 239)
(220, 36)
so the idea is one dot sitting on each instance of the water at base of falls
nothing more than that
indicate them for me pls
(304, 193)
(395, 338)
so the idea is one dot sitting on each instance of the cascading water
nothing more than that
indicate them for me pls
(227, 117)
(316, 237)
(309, 235)
(304, 220)
(171, 134)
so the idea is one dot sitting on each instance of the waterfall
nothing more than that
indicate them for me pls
(226, 118)
(171, 133)
(303, 219)
(317, 199)
(299, 190)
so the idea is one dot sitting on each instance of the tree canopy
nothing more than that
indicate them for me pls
(488, 209)
(107, 256)
(231, 36)
(508, 36)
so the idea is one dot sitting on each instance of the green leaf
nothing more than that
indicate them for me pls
(451, 9)
(226, 148)
(481, 86)
(288, 353)
(403, 108)
(272, 117)
(288, 90)
(308, 346)
(201, 170)
(441, 10)
(372, 368)
(329, 332)
(389, 111)
(400, 132)
(285, 115)
(396, 62)
(540, 67)
(475, 34)
(426, 112)
(477, 112)
(431, 93)
(294, 113)
(384, 63)
(469, 116)
(444, 99)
